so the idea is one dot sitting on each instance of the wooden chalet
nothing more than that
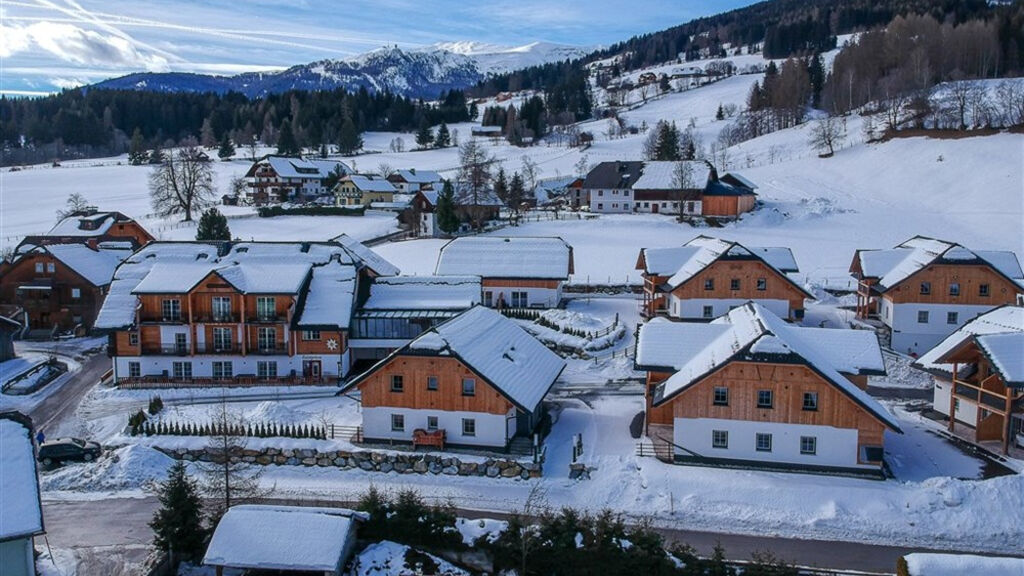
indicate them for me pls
(517, 272)
(924, 289)
(979, 377)
(93, 228)
(478, 380)
(195, 313)
(362, 190)
(412, 180)
(60, 287)
(706, 277)
(750, 389)
(274, 179)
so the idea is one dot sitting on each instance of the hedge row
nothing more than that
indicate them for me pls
(271, 211)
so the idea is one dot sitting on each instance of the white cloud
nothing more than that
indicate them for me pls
(75, 45)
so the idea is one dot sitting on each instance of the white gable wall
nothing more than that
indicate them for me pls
(611, 201)
(911, 336)
(492, 430)
(693, 308)
(966, 411)
(536, 297)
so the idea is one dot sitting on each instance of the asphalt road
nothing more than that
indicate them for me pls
(121, 525)
(62, 403)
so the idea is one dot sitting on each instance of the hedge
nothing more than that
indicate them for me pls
(271, 211)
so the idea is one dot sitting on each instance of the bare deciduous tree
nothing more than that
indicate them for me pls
(227, 480)
(682, 178)
(181, 184)
(75, 202)
(826, 134)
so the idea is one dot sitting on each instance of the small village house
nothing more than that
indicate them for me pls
(297, 540)
(558, 191)
(979, 377)
(60, 287)
(424, 209)
(273, 179)
(413, 180)
(751, 389)
(517, 272)
(22, 517)
(93, 228)
(362, 190)
(478, 380)
(222, 314)
(924, 289)
(706, 277)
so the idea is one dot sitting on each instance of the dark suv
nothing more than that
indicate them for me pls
(65, 449)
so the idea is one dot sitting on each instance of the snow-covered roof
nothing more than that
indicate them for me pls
(740, 179)
(304, 167)
(22, 515)
(496, 257)
(419, 176)
(662, 175)
(283, 538)
(1006, 352)
(496, 348)
(370, 183)
(424, 293)
(684, 262)
(1005, 319)
(897, 264)
(753, 333)
(98, 224)
(464, 196)
(96, 266)
(252, 267)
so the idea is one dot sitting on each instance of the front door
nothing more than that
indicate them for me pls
(654, 207)
(311, 369)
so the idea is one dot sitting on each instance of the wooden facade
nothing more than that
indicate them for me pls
(519, 283)
(788, 383)
(726, 206)
(124, 229)
(983, 387)
(52, 295)
(415, 370)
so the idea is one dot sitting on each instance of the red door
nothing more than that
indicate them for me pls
(654, 207)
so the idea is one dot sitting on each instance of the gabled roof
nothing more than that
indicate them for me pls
(497, 257)
(738, 179)
(684, 262)
(289, 538)
(662, 175)
(423, 293)
(22, 514)
(752, 333)
(613, 175)
(416, 176)
(1002, 320)
(1006, 353)
(720, 188)
(287, 167)
(369, 183)
(515, 363)
(890, 267)
(87, 223)
(95, 266)
(327, 302)
(371, 259)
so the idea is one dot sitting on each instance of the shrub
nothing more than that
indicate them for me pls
(271, 211)
(136, 422)
(407, 519)
(156, 404)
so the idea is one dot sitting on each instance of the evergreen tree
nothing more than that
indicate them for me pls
(349, 140)
(177, 525)
(443, 138)
(213, 226)
(286, 144)
(136, 151)
(720, 114)
(423, 136)
(501, 186)
(474, 111)
(156, 156)
(816, 74)
(227, 149)
(447, 219)
(516, 192)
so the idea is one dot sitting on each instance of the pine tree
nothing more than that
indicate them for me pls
(424, 138)
(443, 138)
(213, 226)
(474, 111)
(720, 114)
(516, 192)
(227, 149)
(137, 154)
(501, 186)
(156, 156)
(286, 144)
(447, 220)
(349, 140)
(178, 524)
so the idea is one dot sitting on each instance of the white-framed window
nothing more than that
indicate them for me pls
(519, 300)
(134, 369)
(76, 293)
(431, 423)
(397, 383)
(133, 338)
(709, 284)
(983, 290)
(488, 298)
(810, 401)
(719, 438)
(398, 423)
(182, 370)
(809, 445)
(762, 284)
(180, 343)
(721, 397)
(222, 339)
(734, 284)
(170, 309)
(468, 427)
(765, 398)
(221, 307)
(922, 316)
(926, 288)
(764, 442)
(708, 312)
(266, 307)
(266, 369)
(310, 335)
(222, 369)
(40, 267)
(954, 289)
(432, 383)
(468, 387)
(51, 267)
(266, 338)
(952, 317)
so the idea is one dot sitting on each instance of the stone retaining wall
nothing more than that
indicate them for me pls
(371, 461)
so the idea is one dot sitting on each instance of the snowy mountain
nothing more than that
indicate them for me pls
(422, 73)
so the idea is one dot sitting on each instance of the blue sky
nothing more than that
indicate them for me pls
(46, 45)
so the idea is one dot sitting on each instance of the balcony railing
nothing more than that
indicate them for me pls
(172, 350)
(269, 349)
(228, 318)
(266, 318)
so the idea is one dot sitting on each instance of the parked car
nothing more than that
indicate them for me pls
(67, 449)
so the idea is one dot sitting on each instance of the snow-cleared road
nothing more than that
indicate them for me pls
(59, 406)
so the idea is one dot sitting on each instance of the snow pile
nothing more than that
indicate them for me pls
(900, 373)
(387, 558)
(276, 412)
(926, 564)
(130, 468)
(473, 530)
